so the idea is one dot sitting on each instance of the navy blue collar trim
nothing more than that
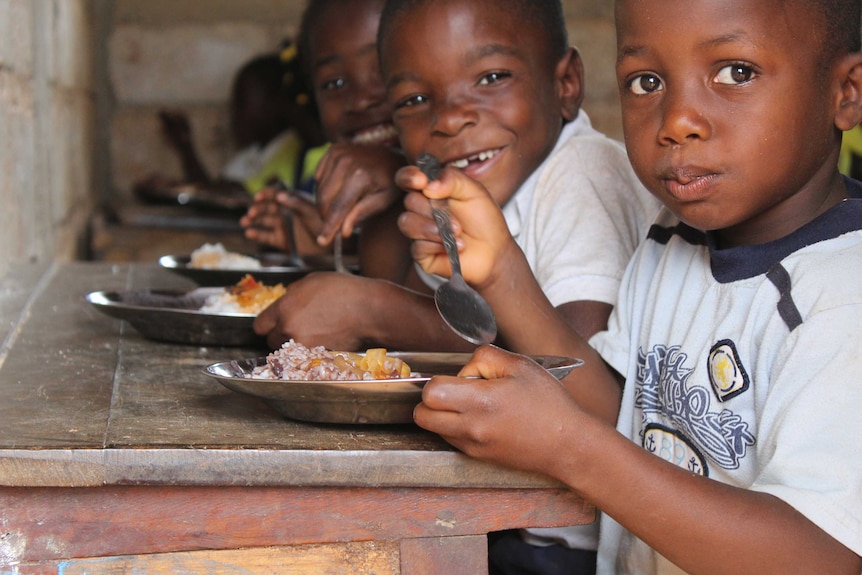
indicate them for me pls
(743, 262)
(738, 263)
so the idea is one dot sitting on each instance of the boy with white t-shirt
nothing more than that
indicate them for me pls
(510, 119)
(736, 447)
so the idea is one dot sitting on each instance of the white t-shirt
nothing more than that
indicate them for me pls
(578, 219)
(742, 365)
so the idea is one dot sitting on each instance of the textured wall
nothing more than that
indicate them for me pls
(182, 54)
(46, 128)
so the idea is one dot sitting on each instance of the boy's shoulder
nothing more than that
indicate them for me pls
(582, 151)
(580, 137)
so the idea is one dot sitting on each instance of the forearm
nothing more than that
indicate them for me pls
(529, 324)
(699, 524)
(193, 168)
(402, 319)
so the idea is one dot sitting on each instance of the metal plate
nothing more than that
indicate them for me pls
(173, 316)
(277, 268)
(365, 402)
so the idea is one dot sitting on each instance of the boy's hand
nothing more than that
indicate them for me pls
(504, 408)
(355, 182)
(264, 222)
(480, 229)
(305, 312)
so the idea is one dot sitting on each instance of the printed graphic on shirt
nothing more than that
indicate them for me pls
(666, 398)
(726, 373)
(673, 447)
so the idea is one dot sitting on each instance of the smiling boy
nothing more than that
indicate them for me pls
(736, 447)
(491, 88)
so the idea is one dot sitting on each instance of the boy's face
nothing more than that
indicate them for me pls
(728, 111)
(476, 88)
(346, 75)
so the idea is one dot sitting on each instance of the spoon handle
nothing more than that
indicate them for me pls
(432, 169)
(444, 225)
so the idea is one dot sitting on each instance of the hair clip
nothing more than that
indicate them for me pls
(288, 53)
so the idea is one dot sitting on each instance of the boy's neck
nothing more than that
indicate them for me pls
(787, 216)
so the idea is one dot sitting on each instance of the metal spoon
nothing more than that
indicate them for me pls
(287, 220)
(460, 306)
(338, 254)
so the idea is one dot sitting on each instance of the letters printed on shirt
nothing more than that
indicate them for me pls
(684, 422)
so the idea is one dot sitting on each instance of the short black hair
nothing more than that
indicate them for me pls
(843, 20)
(544, 15)
(310, 20)
(266, 70)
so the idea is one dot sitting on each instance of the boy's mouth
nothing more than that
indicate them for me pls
(481, 157)
(689, 183)
(380, 134)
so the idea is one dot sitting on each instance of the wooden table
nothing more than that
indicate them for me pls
(118, 455)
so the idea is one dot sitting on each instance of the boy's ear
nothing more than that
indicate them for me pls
(570, 83)
(849, 98)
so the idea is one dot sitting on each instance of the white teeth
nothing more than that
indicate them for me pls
(480, 157)
(377, 134)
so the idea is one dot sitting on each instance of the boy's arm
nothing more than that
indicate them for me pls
(701, 525)
(354, 183)
(493, 263)
(353, 313)
(177, 129)
(515, 414)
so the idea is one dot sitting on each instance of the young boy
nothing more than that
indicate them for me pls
(491, 87)
(505, 108)
(737, 443)
(354, 178)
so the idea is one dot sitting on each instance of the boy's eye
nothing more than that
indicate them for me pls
(411, 101)
(644, 84)
(734, 74)
(493, 78)
(335, 84)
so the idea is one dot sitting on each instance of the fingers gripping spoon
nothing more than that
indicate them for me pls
(460, 306)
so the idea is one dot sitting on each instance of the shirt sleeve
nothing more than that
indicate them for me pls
(588, 215)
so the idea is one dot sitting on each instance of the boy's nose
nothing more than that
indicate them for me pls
(451, 116)
(369, 91)
(683, 118)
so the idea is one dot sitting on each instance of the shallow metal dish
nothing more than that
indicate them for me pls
(173, 316)
(277, 268)
(366, 402)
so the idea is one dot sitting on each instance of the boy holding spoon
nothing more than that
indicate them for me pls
(736, 447)
(492, 89)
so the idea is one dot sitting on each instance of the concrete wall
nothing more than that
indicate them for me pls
(183, 53)
(46, 128)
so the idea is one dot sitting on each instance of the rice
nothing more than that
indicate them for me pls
(216, 257)
(247, 296)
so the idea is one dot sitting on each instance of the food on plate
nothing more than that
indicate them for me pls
(216, 257)
(247, 296)
(296, 362)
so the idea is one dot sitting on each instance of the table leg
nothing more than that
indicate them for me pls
(465, 555)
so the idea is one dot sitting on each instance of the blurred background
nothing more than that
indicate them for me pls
(81, 84)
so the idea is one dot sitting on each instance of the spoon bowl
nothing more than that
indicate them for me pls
(465, 311)
(461, 307)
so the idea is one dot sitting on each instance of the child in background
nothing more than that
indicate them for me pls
(492, 88)
(354, 180)
(273, 122)
(737, 443)
(515, 125)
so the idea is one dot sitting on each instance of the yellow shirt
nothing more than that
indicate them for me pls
(851, 147)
